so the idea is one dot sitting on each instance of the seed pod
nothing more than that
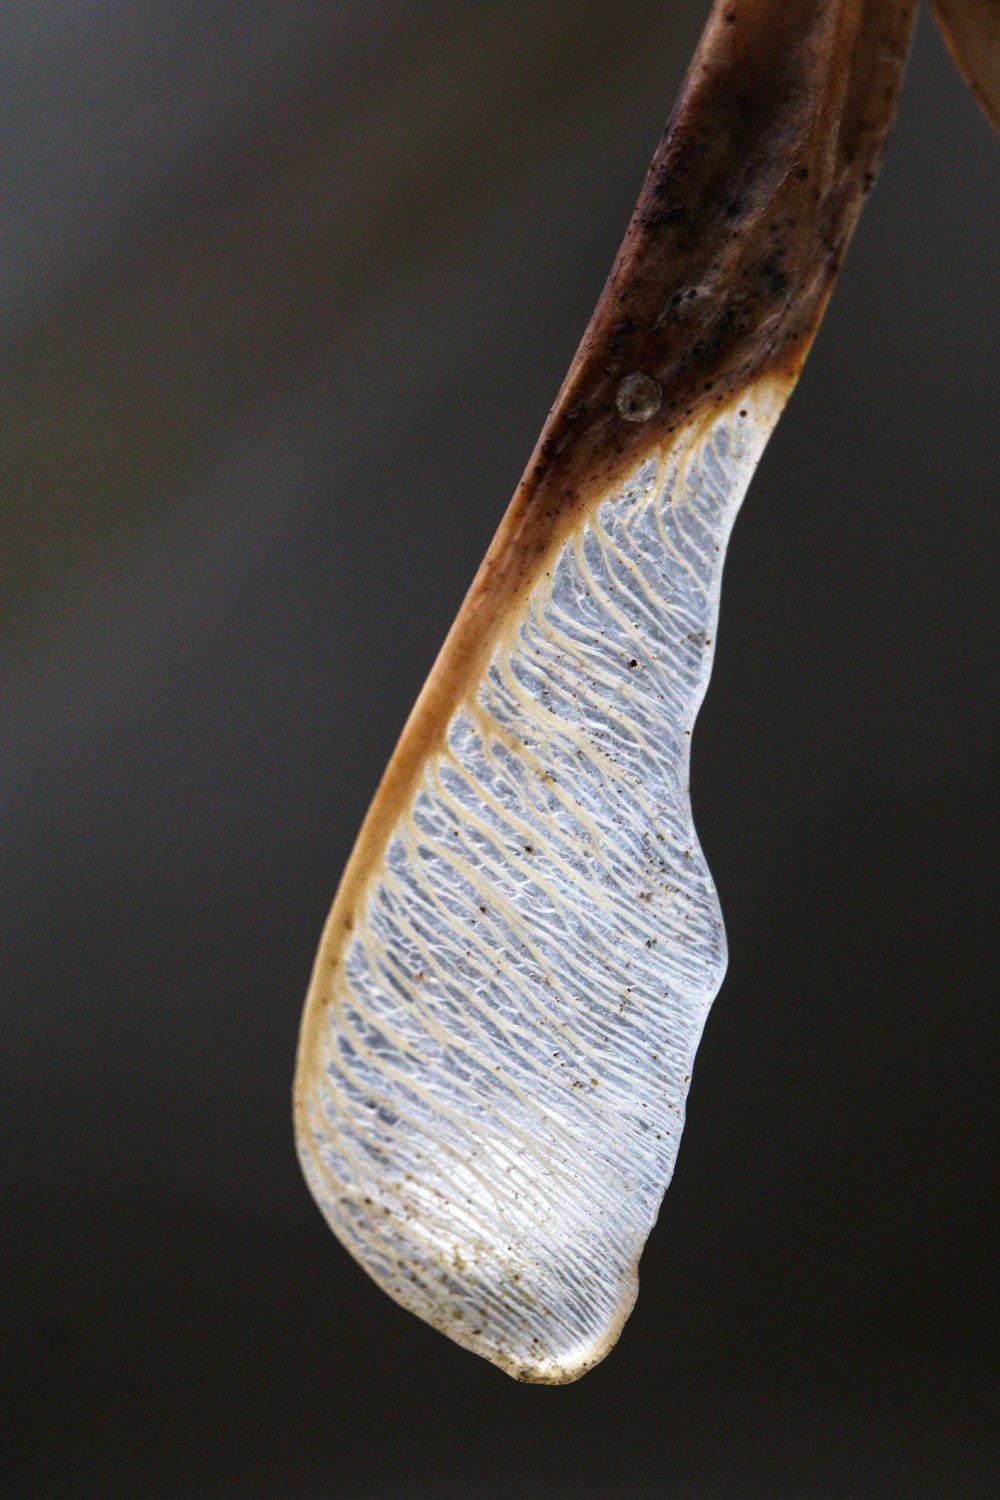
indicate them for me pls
(503, 1017)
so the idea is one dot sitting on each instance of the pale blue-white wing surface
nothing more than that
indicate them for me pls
(497, 1068)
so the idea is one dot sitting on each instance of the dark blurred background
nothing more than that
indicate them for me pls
(285, 293)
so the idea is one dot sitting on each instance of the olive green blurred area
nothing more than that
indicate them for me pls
(285, 293)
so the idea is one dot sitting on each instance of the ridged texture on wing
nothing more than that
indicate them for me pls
(497, 1072)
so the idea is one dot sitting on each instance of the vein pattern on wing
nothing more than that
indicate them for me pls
(498, 1078)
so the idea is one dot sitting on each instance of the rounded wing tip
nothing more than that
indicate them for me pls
(547, 1341)
(560, 1366)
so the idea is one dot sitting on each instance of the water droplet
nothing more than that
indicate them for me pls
(638, 398)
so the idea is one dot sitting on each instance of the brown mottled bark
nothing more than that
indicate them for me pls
(742, 222)
(732, 251)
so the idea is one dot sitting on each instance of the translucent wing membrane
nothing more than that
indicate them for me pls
(500, 1069)
(501, 1027)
